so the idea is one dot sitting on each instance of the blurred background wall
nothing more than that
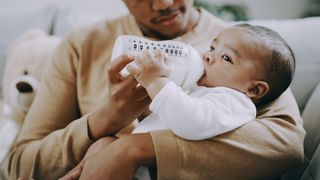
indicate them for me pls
(270, 9)
(262, 9)
(112, 7)
(255, 9)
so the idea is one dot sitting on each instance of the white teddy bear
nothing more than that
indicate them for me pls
(26, 62)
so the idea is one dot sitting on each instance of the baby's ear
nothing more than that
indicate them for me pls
(257, 89)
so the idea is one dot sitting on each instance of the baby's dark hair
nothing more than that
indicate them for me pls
(279, 61)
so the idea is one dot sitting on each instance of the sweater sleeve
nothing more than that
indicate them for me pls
(209, 112)
(54, 137)
(264, 148)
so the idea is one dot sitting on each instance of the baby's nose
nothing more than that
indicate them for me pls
(208, 59)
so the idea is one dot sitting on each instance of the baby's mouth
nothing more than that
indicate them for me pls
(200, 81)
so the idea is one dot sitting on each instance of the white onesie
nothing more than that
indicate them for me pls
(200, 113)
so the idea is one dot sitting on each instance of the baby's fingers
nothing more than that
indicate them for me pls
(162, 57)
(148, 56)
(166, 59)
(159, 55)
(139, 60)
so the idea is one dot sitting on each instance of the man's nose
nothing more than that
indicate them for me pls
(161, 4)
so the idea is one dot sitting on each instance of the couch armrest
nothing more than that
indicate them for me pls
(311, 122)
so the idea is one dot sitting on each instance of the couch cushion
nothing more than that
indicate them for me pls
(14, 24)
(303, 37)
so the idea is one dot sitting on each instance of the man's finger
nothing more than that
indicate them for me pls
(144, 103)
(141, 93)
(116, 66)
(129, 82)
(74, 173)
(119, 63)
(132, 69)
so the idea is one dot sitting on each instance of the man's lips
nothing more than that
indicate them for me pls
(168, 19)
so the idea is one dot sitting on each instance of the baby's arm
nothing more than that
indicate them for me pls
(201, 117)
(205, 113)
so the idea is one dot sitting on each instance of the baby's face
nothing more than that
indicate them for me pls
(231, 60)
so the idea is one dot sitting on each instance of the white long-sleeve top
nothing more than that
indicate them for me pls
(199, 113)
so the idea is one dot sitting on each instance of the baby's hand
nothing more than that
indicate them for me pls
(149, 66)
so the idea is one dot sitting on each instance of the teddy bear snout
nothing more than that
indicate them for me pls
(24, 87)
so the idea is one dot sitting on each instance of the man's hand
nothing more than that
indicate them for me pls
(111, 158)
(94, 148)
(120, 159)
(125, 103)
(149, 67)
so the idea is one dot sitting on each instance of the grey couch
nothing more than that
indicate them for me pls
(303, 36)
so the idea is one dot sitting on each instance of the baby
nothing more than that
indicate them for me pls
(244, 67)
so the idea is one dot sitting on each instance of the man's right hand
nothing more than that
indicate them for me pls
(125, 103)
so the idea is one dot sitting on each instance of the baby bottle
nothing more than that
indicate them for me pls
(185, 61)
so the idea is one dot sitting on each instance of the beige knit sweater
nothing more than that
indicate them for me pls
(54, 137)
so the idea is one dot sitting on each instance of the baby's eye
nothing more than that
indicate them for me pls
(212, 49)
(227, 58)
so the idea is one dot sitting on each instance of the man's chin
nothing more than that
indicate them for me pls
(174, 30)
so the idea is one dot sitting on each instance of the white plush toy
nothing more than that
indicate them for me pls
(26, 61)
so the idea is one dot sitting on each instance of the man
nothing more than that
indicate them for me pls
(78, 104)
